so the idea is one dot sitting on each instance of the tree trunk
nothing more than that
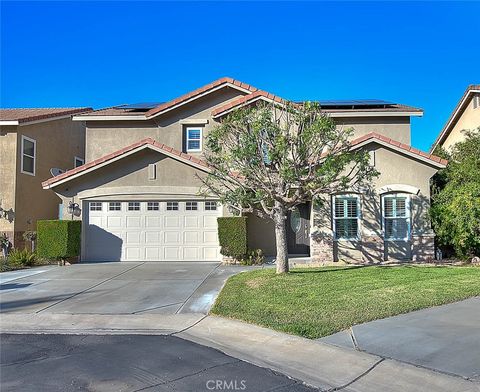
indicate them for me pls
(281, 239)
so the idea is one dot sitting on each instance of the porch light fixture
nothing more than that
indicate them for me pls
(73, 209)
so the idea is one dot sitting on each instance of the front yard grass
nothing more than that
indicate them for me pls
(319, 302)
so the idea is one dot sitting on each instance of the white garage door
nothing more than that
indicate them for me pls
(151, 230)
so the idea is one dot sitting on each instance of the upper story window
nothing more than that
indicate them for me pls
(346, 217)
(396, 217)
(29, 153)
(194, 139)
(78, 162)
(476, 101)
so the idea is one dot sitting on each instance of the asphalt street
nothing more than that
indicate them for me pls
(105, 363)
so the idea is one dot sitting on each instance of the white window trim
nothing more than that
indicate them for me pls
(187, 139)
(78, 159)
(408, 216)
(359, 217)
(34, 155)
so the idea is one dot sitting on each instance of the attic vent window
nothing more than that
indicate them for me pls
(476, 101)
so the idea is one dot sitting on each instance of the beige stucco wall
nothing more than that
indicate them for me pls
(8, 162)
(261, 234)
(395, 169)
(105, 137)
(396, 128)
(57, 143)
(128, 179)
(469, 120)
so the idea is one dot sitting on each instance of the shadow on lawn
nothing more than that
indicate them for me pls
(333, 269)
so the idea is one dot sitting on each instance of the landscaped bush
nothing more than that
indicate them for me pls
(232, 234)
(21, 258)
(253, 257)
(58, 239)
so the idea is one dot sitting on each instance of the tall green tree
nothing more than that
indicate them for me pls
(455, 208)
(270, 158)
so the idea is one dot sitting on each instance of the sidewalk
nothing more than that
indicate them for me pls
(318, 364)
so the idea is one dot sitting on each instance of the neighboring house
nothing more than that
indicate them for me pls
(138, 193)
(466, 116)
(33, 141)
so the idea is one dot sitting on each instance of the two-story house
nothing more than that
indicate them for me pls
(465, 117)
(32, 143)
(138, 192)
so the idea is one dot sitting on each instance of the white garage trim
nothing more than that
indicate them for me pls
(131, 192)
(150, 230)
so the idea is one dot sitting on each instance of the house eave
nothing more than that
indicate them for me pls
(353, 113)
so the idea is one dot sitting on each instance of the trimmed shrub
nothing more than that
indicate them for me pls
(58, 239)
(21, 258)
(232, 235)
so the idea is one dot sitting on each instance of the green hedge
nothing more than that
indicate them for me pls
(232, 234)
(58, 239)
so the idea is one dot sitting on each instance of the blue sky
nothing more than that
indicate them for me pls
(100, 54)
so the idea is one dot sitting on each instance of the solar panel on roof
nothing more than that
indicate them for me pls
(142, 105)
(355, 102)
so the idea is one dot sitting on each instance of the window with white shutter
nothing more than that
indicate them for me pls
(346, 216)
(396, 217)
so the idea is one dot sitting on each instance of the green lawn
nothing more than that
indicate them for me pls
(318, 302)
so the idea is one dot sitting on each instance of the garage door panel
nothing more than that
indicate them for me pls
(95, 221)
(191, 253)
(133, 253)
(191, 237)
(210, 237)
(153, 222)
(133, 237)
(191, 222)
(114, 221)
(154, 231)
(172, 237)
(153, 253)
(153, 238)
(210, 253)
(210, 222)
(134, 221)
(171, 253)
(172, 222)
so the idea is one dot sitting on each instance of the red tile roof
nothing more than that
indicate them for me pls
(115, 154)
(201, 90)
(34, 114)
(398, 145)
(245, 100)
(186, 157)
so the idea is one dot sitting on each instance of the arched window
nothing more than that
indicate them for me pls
(396, 215)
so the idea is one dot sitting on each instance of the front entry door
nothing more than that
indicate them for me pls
(298, 230)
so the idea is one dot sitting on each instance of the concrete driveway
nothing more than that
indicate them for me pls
(443, 338)
(115, 288)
